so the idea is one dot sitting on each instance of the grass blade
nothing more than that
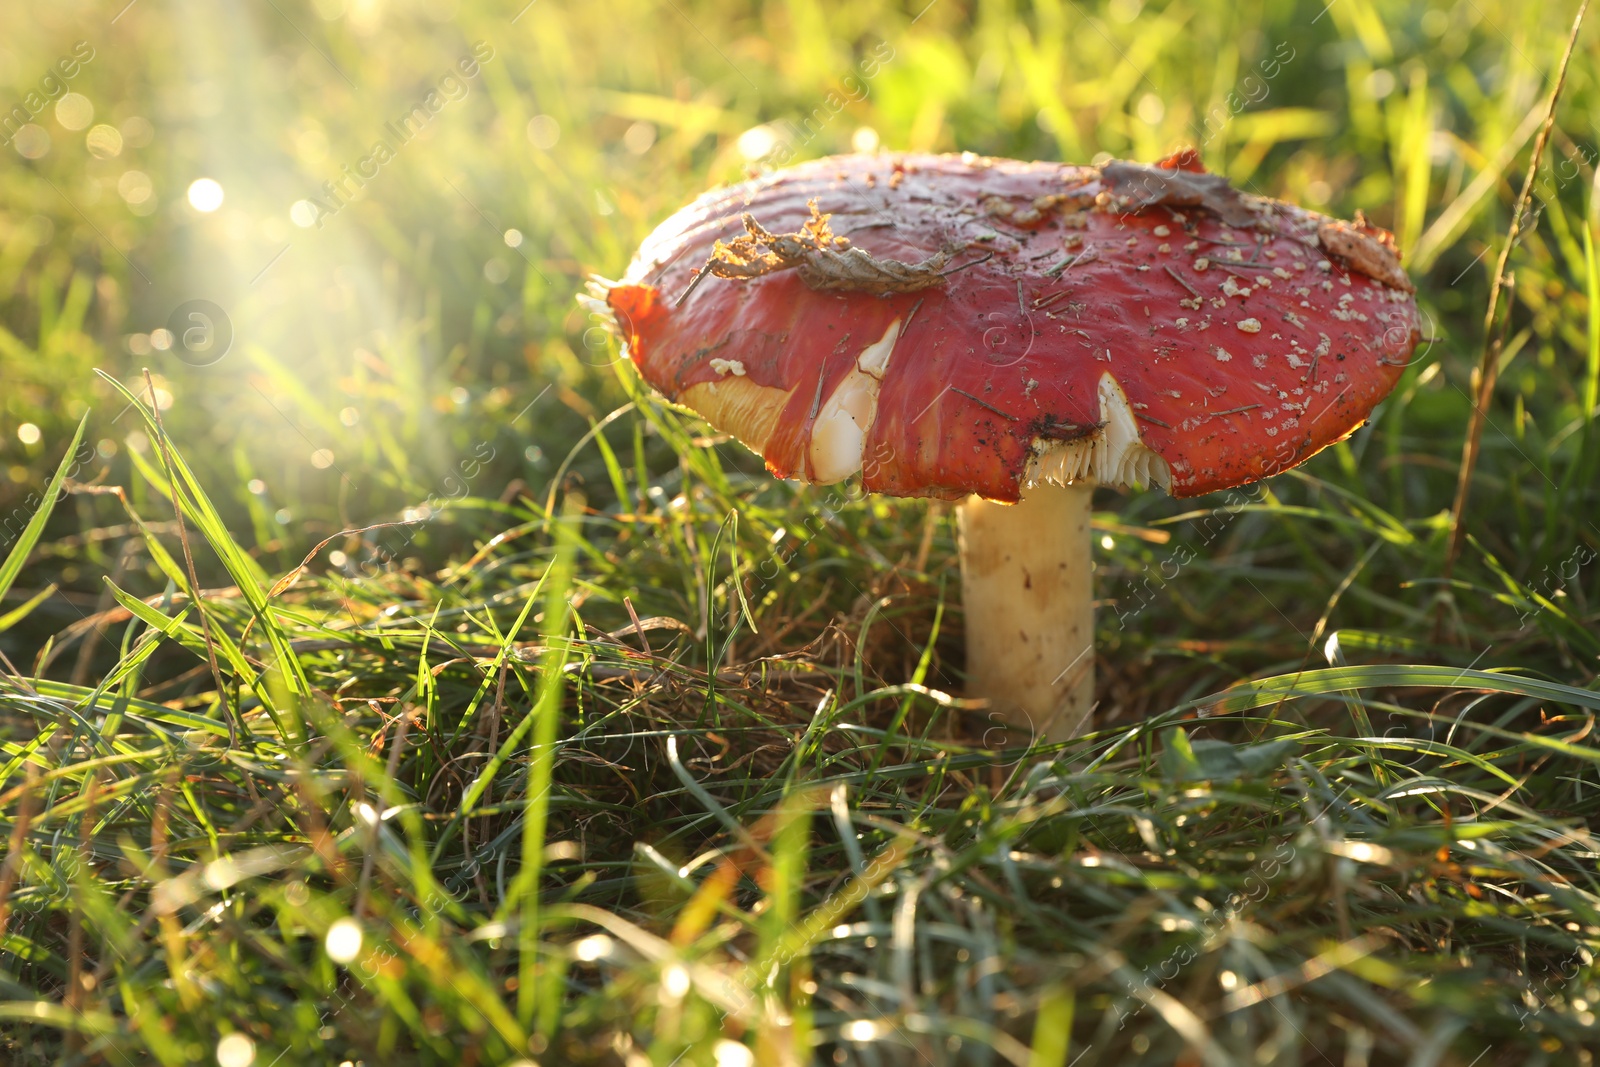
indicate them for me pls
(12, 565)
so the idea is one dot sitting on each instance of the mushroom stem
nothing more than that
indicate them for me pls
(1028, 586)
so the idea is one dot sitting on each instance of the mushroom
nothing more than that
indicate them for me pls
(1013, 334)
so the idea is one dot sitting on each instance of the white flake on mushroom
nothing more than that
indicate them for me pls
(839, 434)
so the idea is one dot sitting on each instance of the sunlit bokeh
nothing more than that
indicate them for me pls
(205, 195)
(343, 940)
(674, 981)
(733, 1054)
(593, 947)
(74, 111)
(236, 1050)
(757, 142)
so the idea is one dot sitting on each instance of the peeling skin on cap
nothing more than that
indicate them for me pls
(974, 349)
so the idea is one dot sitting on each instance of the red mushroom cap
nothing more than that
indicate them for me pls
(953, 324)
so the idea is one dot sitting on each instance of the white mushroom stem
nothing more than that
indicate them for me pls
(1028, 587)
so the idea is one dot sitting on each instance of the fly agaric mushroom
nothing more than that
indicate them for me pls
(1014, 334)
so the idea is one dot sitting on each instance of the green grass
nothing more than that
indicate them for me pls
(610, 748)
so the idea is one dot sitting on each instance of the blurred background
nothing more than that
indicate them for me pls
(385, 207)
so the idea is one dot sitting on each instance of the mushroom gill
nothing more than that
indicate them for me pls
(1113, 455)
(738, 406)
